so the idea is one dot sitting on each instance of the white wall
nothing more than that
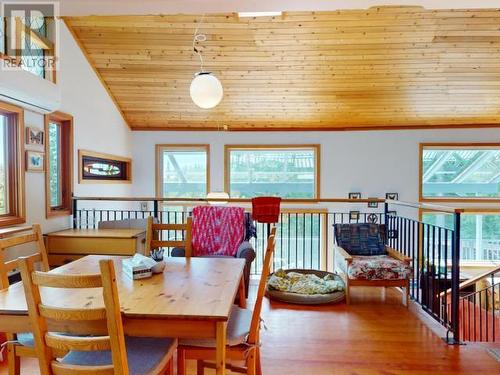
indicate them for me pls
(98, 126)
(370, 162)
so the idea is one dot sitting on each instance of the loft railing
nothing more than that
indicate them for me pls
(305, 239)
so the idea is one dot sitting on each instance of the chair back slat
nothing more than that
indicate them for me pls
(170, 226)
(18, 240)
(253, 336)
(153, 231)
(59, 369)
(49, 344)
(59, 313)
(53, 280)
(84, 344)
(35, 237)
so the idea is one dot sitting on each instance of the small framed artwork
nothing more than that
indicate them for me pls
(353, 215)
(392, 213)
(373, 204)
(392, 196)
(96, 167)
(34, 136)
(354, 195)
(34, 161)
(372, 218)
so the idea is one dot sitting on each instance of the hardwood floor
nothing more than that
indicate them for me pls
(374, 335)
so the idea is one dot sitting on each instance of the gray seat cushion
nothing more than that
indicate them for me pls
(26, 339)
(143, 354)
(238, 328)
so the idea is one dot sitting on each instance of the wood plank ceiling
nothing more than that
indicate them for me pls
(360, 69)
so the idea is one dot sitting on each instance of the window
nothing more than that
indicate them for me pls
(451, 172)
(285, 171)
(479, 240)
(182, 171)
(11, 165)
(31, 48)
(59, 163)
(96, 167)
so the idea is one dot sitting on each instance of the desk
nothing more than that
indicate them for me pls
(71, 244)
(191, 299)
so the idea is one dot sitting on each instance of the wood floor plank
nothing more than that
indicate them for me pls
(372, 336)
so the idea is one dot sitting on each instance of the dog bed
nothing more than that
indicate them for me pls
(308, 299)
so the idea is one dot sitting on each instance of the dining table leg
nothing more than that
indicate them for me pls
(242, 298)
(220, 349)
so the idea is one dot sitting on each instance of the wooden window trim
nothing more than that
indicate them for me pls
(317, 162)
(81, 180)
(423, 146)
(158, 162)
(40, 40)
(16, 166)
(66, 207)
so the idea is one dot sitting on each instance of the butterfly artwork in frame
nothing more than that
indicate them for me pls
(35, 136)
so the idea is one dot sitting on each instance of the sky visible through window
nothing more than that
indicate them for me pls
(479, 239)
(3, 162)
(184, 173)
(54, 139)
(288, 173)
(461, 173)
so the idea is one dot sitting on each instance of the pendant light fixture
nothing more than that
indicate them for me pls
(206, 90)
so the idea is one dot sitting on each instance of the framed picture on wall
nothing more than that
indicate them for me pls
(34, 161)
(392, 196)
(96, 167)
(34, 136)
(354, 195)
(353, 215)
(373, 204)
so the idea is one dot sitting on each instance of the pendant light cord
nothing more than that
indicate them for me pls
(198, 38)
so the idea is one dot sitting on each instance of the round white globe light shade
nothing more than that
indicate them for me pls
(206, 90)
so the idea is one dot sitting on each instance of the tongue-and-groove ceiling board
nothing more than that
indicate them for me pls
(361, 69)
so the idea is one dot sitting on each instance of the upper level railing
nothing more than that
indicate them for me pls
(305, 237)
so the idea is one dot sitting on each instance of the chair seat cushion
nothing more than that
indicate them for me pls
(26, 339)
(238, 328)
(144, 354)
(380, 267)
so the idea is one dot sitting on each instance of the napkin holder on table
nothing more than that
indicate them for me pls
(138, 267)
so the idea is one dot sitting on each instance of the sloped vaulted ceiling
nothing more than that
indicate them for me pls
(375, 68)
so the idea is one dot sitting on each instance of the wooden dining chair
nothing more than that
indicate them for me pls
(89, 333)
(153, 238)
(21, 344)
(243, 332)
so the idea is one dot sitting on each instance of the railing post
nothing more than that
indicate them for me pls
(155, 209)
(75, 210)
(386, 221)
(455, 282)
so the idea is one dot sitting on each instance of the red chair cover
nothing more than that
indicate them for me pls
(217, 230)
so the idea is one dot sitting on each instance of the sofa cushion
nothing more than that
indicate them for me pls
(379, 267)
(361, 239)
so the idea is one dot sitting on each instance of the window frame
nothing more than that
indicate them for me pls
(66, 138)
(259, 147)
(16, 165)
(181, 147)
(423, 146)
(104, 180)
(43, 42)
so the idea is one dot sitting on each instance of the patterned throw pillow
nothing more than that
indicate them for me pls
(361, 239)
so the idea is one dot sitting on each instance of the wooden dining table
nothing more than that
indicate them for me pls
(192, 299)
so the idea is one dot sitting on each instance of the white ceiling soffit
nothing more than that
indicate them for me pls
(145, 7)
